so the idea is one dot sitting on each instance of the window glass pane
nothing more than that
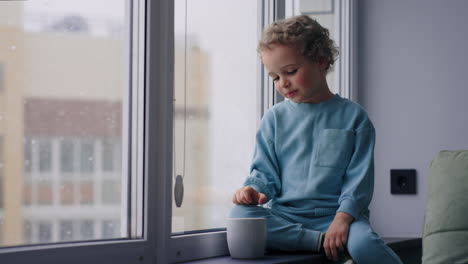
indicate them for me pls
(110, 228)
(87, 230)
(110, 191)
(45, 232)
(2, 76)
(216, 102)
(1, 187)
(45, 155)
(44, 193)
(108, 159)
(87, 156)
(87, 192)
(65, 70)
(27, 234)
(66, 156)
(1, 176)
(67, 192)
(66, 230)
(27, 155)
(27, 193)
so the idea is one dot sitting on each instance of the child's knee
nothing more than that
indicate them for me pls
(367, 247)
(246, 211)
(238, 211)
(360, 244)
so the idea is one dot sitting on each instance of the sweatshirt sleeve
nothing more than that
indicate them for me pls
(358, 184)
(264, 172)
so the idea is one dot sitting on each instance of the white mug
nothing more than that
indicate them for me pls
(246, 237)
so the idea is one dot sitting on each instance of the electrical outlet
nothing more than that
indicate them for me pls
(403, 181)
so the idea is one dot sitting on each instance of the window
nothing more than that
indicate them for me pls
(215, 107)
(66, 156)
(45, 232)
(87, 156)
(108, 150)
(27, 234)
(27, 143)
(110, 228)
(87, 229)
(45, 156)
(110, 190)
(2, 76)
(100, 134)
(66, 230)
(76, 78)
(1, 184)
(75, 59)
(217, 72)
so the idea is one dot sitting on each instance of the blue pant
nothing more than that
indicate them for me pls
(290, 232)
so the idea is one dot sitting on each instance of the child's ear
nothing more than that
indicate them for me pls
(323, 63)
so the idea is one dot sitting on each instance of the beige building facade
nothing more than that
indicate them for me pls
(62, 97)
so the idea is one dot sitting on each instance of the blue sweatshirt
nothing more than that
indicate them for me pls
(315, 159)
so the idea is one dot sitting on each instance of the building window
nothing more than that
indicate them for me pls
(27, 193)
(45, 156)
(27, 155)
(1, 175)
(87, 192)
(44, 232)
(66, 230)
(110, 191)
(67, 193)
(87, 156)
(110, 228)
(28, 232)
(108, 160)
(62, 110)
(67, 156)
(86, 230)
(44, 192)
(2, 76)
(215, 122)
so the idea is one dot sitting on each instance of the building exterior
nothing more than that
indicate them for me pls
(62, 95)
(60, 133)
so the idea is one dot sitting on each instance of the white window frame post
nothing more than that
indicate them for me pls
(346, 19)
(269, 11)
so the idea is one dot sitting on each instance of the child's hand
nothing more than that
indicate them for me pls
(248, 195)
(337, 235)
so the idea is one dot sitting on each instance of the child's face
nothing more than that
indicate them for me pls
(295, 76)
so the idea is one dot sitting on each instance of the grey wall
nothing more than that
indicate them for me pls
(413, 82)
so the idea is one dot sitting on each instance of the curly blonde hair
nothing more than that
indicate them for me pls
(303, 32)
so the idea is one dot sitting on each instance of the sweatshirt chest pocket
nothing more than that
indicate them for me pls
(335, 147)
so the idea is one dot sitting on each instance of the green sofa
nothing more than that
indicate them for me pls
(445, 236)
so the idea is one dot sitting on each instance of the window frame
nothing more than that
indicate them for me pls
(157, 108)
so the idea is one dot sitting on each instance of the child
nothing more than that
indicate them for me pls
(313, 158)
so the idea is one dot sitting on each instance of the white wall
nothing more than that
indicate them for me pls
(413, 81)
